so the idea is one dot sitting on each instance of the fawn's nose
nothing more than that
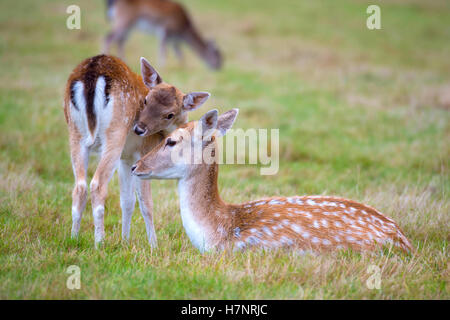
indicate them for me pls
(138, 130)
(133, 167)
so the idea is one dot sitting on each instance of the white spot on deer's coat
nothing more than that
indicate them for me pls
(296, 228)
(237, 232)
(305, 213)
(290, 200)
(286, 240)
(316, 224)
(252, 240)
(276, 202)
(240, 244)
(221, 230)
(332, 204)
(315, 240)
(326, 242)
(279, 226)
(267, 231)
(311, 202)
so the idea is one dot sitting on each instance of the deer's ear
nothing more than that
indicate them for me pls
(226, 121)
(209, 122)
(193, 100)
(150, 77)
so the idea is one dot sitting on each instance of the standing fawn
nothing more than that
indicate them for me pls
(104, 100)
(306, 222)
(168, 19)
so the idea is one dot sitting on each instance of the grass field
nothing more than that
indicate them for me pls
(362, 114)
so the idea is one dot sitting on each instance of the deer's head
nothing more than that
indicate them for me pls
(165, 106)
(177, 156)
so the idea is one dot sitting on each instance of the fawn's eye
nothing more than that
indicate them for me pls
(170, 116)
(145, 100)
(170, 142)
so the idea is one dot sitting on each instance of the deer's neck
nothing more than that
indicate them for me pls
(206, 218)
(193, 39)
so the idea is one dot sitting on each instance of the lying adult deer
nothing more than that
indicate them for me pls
(168, 19)
(104, 100)
(306, 222)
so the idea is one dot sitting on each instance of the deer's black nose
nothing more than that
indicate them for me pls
(138, 130)
(133, 168)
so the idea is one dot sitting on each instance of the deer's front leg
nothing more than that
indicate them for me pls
(146, 205)
(162, 48)
(178, 51)
(107, 42)
(127, 196)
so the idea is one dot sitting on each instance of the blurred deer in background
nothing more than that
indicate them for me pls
(104, 100)
(310, 223)
(168, 19)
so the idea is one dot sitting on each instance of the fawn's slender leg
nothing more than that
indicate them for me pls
(99, 184)
(80, 157)
(178, 51)
(108, 40)
(121, 38)
(127, 196)
(162, 47)
(119, 35)
(146, 205)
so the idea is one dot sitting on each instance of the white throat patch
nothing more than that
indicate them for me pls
(195, 231)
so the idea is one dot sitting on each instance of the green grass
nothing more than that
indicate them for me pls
(362, 114)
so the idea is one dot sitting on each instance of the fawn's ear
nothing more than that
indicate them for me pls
(209, 122)
(193, 100)
(150, 77)
(226, 121)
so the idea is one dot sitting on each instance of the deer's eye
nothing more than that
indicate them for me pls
(170, 142)
(170, 116)
(145, 100)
